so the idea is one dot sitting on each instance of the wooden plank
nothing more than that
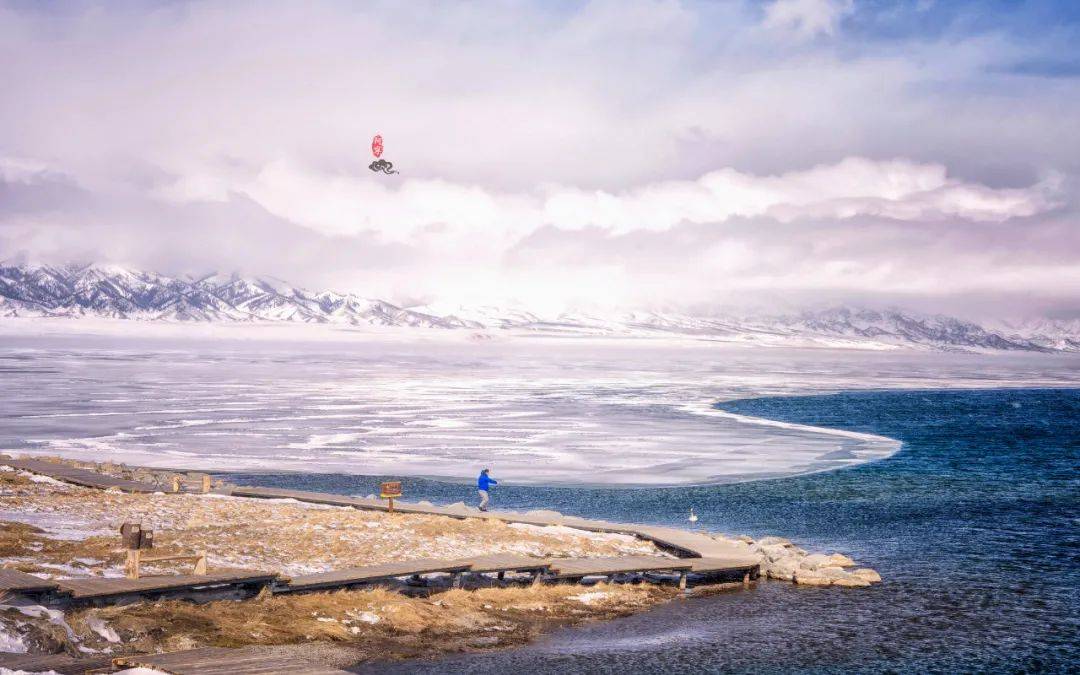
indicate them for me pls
(372, 573)
(21, 582)
(222, 661)
(504, 562)
(81, 477)
(59, 663)
(713, 565)
(572, 568)
(101, 587)
(307, 496)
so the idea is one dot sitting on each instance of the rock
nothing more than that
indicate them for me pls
(851, 581)
(804, 579)
(867, 574)
(370, 497)
(425, 504)
(770, 541)
(781, 574)
(814, 561)
(832, 572)
(841, 560)
(745, 539)
(776, 552)
(781, 571)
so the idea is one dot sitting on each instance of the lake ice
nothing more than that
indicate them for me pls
(536, 411)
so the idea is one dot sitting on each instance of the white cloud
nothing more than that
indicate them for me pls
(418, 209)
(807, 17)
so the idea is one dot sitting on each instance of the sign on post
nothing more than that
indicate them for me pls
(391, 490)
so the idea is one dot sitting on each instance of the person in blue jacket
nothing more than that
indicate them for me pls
(483, 484)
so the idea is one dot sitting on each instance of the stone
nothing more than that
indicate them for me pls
(832, 572)
(851, 581)
(769, 541)
(776, 552)
(426, 504)
(780, 574)
(814, 561)
(867, 574)
(745, 539)
(841, 560)
(780, 571)
(812, 580)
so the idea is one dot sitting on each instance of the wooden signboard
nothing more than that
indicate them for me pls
(390, 490)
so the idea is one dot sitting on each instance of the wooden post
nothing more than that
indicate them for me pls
(131, 566)
(746, 580)
(682, 580)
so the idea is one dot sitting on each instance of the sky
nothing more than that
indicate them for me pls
(556, 155)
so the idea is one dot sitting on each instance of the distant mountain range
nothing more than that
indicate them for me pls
(30, 290)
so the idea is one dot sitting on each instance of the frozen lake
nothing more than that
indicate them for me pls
(536, 411)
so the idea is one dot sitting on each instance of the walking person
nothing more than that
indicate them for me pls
(483, 484)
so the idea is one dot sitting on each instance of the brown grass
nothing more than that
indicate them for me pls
(275, 535)
(406, 626)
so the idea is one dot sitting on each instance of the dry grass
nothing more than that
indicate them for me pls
(374, 622)
(278, 535)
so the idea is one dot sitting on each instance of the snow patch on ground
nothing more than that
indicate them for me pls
(590, 597)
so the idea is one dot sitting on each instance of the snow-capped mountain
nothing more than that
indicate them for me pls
(116, 292)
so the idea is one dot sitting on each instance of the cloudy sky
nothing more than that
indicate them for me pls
(917, 153)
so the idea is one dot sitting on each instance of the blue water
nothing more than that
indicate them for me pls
(974, 524)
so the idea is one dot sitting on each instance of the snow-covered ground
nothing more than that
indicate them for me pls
(540, 411)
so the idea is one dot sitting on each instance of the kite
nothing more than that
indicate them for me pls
(380, 164)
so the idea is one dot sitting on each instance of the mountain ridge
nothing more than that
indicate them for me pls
(116, 292)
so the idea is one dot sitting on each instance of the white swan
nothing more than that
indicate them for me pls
(693, 516)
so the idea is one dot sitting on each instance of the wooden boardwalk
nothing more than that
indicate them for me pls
(96, 588)
(14, 581)
(577, 568)
(222, 661)
(57, 663)
(70, 474)
(505, 562)
(716, 565)
(355, 576)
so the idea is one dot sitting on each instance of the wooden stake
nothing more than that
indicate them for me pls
(682, 580)
(131, 567)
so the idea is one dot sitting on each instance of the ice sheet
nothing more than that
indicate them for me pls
(534, 411)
